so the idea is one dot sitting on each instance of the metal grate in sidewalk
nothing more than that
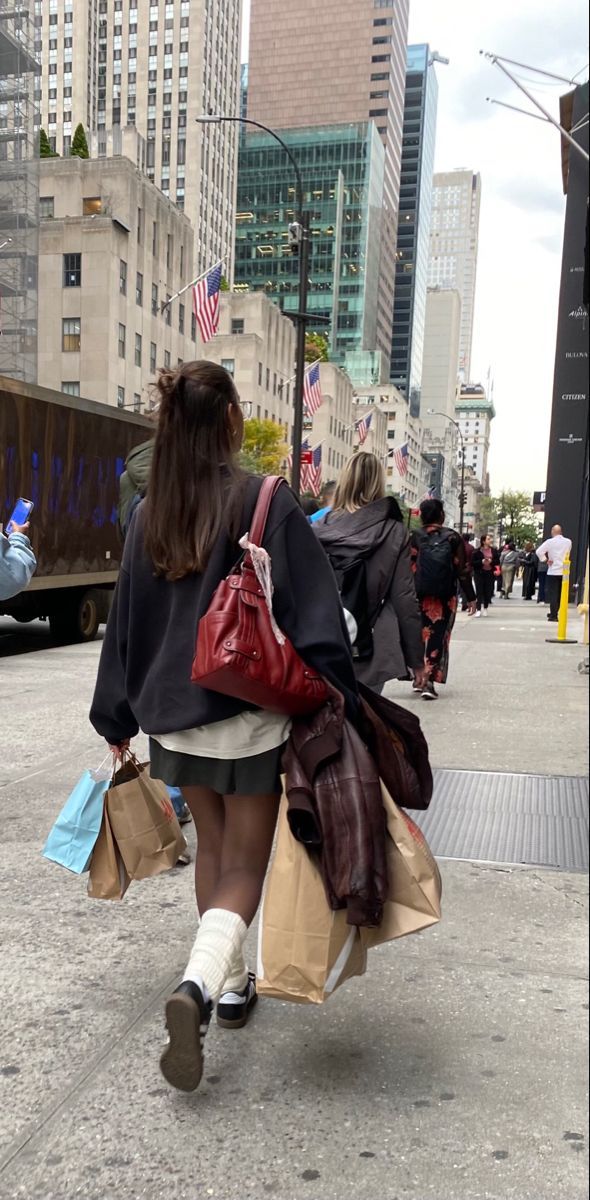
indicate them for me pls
(503, 818)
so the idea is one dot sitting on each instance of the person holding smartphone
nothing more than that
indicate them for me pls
(17, 560)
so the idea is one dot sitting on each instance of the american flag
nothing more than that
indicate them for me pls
(206, 303)
(311, 473)
(400, 458)
(312, 390)
(362, 428)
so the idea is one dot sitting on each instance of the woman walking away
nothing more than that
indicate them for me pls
(440, 564)
(485, 562)
(369, 549)
(223, 754)
(509, 560)
(529, 562)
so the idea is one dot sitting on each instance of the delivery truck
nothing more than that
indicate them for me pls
(66, 454)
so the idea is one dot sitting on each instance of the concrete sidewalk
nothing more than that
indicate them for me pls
(455, 1069)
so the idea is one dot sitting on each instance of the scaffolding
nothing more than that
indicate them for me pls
(19, 190)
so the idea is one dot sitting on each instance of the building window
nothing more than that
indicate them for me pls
(168, 310)
(46, 207)
(122, 277)
(154, 299)
(122, 341)
(268, 379)
(72, 270)
(155, 238)
(169, 246)
(121, 397)
(259, 374)
(181, 318)
(193, 327)
(137, 401)
(153, 353)
(229, 365)
(70, 334)
(91, 206)
(137, 349)
(167, 360)
(139, 226)
(139, 289)
(237, 326)
(71, 387)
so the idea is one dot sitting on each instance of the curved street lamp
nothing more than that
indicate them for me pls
(299, 239)
(435, 413)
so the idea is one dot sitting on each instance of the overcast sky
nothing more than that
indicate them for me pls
(522, 204)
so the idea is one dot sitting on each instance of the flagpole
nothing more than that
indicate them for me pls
(308, 368)
(193, 283)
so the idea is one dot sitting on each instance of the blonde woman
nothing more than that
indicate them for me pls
(369, 549)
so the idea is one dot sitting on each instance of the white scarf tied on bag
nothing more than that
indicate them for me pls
(262, 567)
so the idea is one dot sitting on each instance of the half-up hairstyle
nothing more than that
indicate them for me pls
(195, 488)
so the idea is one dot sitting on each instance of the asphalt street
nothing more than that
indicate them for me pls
(455, 1069)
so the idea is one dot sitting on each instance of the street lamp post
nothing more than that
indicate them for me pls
(299, 238)
(433, 412)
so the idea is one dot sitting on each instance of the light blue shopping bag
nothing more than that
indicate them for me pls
(73, 837)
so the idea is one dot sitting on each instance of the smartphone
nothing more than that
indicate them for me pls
(20, 515)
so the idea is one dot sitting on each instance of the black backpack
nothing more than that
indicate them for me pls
(435, 569)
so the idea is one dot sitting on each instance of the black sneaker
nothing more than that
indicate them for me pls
(188, 1015)
(234, 1008)
(428, 692)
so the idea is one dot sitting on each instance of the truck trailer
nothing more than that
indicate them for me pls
(66, 454)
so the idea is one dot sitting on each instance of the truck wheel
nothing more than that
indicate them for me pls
(77, 620)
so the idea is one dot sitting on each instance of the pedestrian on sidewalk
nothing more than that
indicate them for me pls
(485, 562)
(17, 562)
(440, 564)
(543, 566)
(369, 548)
(469, 563)
(554, 550)
(509, 560)
(530, 563)
(326, 501)
(223, 754)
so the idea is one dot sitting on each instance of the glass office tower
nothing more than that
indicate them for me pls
(413, 239)
(343, 173)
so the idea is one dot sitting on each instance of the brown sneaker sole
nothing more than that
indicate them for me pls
(182, 1063)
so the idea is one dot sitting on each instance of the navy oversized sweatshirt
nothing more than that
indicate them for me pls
(144, 676)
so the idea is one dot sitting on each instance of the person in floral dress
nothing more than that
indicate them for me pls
(444, 563)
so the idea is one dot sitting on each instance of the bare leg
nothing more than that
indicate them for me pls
(247, 842)
(208, 814)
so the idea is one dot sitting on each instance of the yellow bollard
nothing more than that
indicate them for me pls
(583, 607)
(562, 637)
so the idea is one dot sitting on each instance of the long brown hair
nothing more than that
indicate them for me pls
(195, 485)
(361, 482)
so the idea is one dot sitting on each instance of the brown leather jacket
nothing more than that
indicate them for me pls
(336, 810)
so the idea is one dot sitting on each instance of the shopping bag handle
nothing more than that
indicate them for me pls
(126, 756)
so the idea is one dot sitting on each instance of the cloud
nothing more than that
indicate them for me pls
(538, 195)
(551, 242)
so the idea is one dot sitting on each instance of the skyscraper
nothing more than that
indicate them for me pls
(342, 168)
(453, 248)
(355, 72)
(156, 65)
(413, 234)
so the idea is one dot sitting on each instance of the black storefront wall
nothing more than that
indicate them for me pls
(567, 469)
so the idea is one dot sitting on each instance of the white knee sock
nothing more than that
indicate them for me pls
(237, 976)
(220, 937)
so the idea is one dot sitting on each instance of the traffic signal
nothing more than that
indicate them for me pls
(462, 497)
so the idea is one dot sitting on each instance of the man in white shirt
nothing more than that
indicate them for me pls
(554, 551)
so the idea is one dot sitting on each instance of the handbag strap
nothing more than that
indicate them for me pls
(269, 489)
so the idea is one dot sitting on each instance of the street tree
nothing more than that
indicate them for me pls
(316, 346)
(516, 517)
(79, 146)
(263, 449)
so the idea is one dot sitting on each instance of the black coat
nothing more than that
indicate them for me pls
(377, 532)
(144, 676)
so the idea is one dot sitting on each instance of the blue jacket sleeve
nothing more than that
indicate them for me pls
(17, 564)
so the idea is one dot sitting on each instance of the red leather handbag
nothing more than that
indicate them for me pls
(240, 649)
